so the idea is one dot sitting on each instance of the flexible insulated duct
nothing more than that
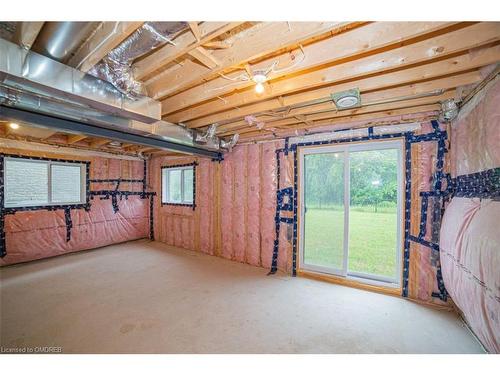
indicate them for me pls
(116, 67)
(33, 82)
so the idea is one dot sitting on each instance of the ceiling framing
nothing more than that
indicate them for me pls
(399, 68)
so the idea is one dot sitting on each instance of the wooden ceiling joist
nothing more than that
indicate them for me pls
(205, 57)
(26, 33)
(313, 119)
(195, 30)
(71, 139)
(107, 37)
(462, 63)
(96, 143)
(340, 48)
(418, 89)
(183, 44)
(372, 116)
(460, 41)
(260, 40)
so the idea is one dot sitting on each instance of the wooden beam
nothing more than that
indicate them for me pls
(313, 118)
(107, 37)
(70, 139)
(374, 96)
(462, 63)
(258, 41)
(216, 45)
(99, 142)
(419, 53)
(341, 48)
(195, 30)
(26, 33)
(205, 57)
(183, 44)
(344, 121)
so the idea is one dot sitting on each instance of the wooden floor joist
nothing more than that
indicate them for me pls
(409, 56)
(433, 70)
(344, 47)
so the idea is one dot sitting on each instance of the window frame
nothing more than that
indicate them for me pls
(84, 183)
(347, 148)
(164, 184)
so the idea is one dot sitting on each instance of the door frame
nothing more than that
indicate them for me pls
(346, 147)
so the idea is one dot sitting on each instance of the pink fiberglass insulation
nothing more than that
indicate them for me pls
(470, 240)
(174, 225)
(246, 193)
(476, 137)
(268, 201)
(470, 259)
(423, 260)
(239, 161)
(226, 210)
(40, 234)
(253, 206)
(204, 203)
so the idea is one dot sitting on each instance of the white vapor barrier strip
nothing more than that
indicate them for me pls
(401, 128)
(33, 146)
(352, 133)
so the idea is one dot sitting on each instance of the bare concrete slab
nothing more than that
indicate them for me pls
(146, 297)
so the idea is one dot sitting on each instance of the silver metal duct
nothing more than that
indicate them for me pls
(36, 83)
(58, 40)
(36, 73)
(116, 67)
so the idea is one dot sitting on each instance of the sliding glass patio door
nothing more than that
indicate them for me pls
(351, 210)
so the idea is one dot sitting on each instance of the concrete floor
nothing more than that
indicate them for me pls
(143, 297)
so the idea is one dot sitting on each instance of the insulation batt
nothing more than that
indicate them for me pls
(247, 207)
(470, 239)
(247, 200)
(40, 234)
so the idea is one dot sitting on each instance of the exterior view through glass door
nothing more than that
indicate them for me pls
(351, 210)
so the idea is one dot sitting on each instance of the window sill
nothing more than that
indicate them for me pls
(354, 282)
(192, 205)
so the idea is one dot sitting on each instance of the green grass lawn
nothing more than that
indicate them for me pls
(372, 240)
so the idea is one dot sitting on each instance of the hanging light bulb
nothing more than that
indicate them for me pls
(259, 78)
(259, 88)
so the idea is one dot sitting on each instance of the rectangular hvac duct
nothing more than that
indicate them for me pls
(36, 73)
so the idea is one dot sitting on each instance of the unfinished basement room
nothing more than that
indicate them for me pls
(249, 187)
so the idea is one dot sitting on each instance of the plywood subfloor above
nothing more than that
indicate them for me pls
(144, 297)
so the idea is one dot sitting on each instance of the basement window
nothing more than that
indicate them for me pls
(178, 185)
(34, 182)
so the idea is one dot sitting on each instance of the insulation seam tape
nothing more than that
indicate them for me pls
(104, 194)
(482, 184)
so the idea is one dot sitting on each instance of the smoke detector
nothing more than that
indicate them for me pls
(347, 99)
